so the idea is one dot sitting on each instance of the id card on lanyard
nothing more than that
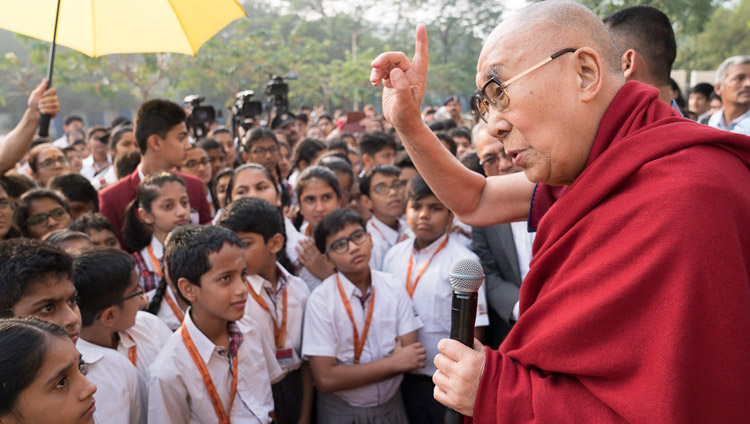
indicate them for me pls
(284, 356)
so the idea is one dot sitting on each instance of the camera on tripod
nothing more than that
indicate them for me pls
(278, 89)
(201, 116)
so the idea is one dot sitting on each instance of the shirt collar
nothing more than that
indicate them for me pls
(90, 353)
(389, 233)
(429, 250)
(141, 177)
(349, 288)
(157, 247)
(126, 340)
(258, 283)
(204, 345)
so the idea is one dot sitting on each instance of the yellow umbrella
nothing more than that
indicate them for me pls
(101, 27)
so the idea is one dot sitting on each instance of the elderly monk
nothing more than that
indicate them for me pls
(637, 304)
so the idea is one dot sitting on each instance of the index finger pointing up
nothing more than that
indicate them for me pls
(421, 54)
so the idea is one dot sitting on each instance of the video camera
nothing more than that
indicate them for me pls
(245, 111)
(278, 89)
(201, 116)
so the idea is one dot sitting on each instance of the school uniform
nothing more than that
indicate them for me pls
(170, 311)
(283, 326)
(432, 299)
(178, 393)
(383, 238)
(328, 332)
(149, 263)
(120, 387)
(142, 342)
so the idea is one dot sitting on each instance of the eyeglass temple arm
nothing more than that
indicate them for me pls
(539, 65)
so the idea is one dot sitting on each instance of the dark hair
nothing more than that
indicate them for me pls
(71, 118)
(702, 88)
(76, 188)
(333, 222)
(58, 237)
(36, 151)
(21, 214)
(210, 144)
(25, 343)
(402, 160)
(127, 163)
(26, 262)
(96, 129)
(445, 139)
(259, 216)
(221, 130)
(307, 150)
(302, 117)
(374, 141)
(470, 159)
(156, 116)
(444, 125)
(257, 134)
(136, 234)
(321, 173)
(418, 189)
(366, 179)
(101, 277)
(252, 165)
(336, 163)
(189, 247)
(16, 185)
(459, 132)
(715, 95)
(120, 121)
(338, 144)
(328, 117)
(116, 135)
(648, 31)
(92, 221)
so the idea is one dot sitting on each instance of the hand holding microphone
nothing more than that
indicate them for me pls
(459, 366)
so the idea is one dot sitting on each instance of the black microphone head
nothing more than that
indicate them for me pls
(466, 275)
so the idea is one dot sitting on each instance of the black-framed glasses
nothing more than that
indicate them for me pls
(493, 92)
(490, 160)
(48, 163)
(342, 245)
(260, 151)
(196, 163)
(383, 188)
(7, 205)
(42, 218)
(132, 295)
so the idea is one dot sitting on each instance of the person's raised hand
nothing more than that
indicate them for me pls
(404, 83)
(409, 357)
(43, 101)
(315, 262)
(459, 371)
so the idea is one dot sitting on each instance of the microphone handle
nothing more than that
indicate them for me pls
(44, 120)
(463, 318)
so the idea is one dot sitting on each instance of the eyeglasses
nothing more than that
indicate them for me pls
(7, 205)
(196, 163)
(41, 218)
(48, 163)
(130, 296)
(261, 151)
(342, 245)
(489, 160)
(382, 188)
(493, 92)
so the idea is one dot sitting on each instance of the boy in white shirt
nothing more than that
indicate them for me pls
(277, 301)
(382, 192)
(109, 299)
(422, 264)
(360, 330)
(215, 368)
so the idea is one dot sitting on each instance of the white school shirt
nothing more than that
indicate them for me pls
(158, 249)
(328, 330)
(383, 238)
(177, 393)
(434, 293)
(148, 335)
(297, 293)
(88, 170)
(165, 312)
(109, 178)
(120, 388)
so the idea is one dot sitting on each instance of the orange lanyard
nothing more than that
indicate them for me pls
(412, 287)
(154, 261)
(133, 352)
(212, 393)
(173, 306)
(307, 230)
(378, 230)
(279, 332)
(359, 345)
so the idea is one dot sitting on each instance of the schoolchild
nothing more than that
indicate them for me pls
(360, 332)
(161, 203)
(216, 367)
(382, 192)
(422, 265)
(277, 301)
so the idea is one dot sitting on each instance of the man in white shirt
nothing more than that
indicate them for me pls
(73, 123)
(733, 85)
(99, 161)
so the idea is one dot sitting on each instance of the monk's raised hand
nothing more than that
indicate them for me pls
(404, 83)
(459, 371)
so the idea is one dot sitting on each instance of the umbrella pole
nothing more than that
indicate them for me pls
(45, 118)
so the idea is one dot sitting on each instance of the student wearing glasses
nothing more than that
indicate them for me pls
(7, 206)
(198, 164)
(46, 162)
(41, 211)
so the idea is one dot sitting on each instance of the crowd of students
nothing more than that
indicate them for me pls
(270, 278)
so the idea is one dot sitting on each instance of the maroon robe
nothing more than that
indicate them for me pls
(637, 304)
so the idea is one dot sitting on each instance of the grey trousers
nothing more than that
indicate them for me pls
(334, 410)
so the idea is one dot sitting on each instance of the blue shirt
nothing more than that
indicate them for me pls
(740, 125)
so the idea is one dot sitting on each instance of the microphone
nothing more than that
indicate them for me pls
(466, 276)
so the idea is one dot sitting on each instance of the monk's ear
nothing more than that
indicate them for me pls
(590, 69)
(628, 63)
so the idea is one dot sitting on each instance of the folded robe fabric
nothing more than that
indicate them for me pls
(637, 304)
